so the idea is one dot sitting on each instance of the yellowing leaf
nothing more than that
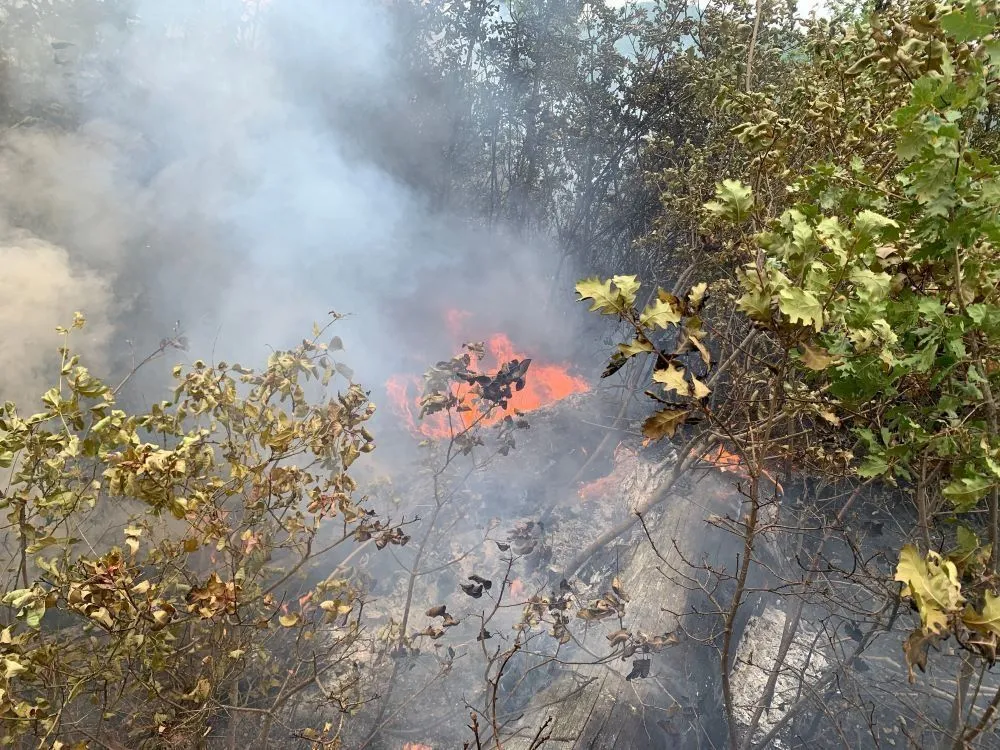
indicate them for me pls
(933, 584)
(697, 296)
(672, 379)
(664, 423)
(202, 691)
(801, 305)
(289, 621)
(12, 668)
(634, 347)
(662, 312)
(986, 622)
(830, 417)
(693, 334)
(102, 616)
(628, 287)
(611, 297)
(699, 389)
(161, 618)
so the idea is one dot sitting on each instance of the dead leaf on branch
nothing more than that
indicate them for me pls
(616, 586)
(432, 631)
(618, 637)
(664, 423)
(816, 358)
(474, 590)
(915, 650)
(486, 583)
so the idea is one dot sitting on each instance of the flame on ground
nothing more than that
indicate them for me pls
(731, 463)
(607, 486)
(624, 459)
(726, 461)
(544, 384)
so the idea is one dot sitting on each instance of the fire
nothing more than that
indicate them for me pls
(624, 462)
(726, 461)
(545, 384)
(624, 465)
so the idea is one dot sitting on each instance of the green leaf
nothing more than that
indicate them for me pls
(873, 224)
(970, 24)
(966, 491)
(733, 201)
(800, 305)
(874, 465)
(755, 302)
(967, 539)
(876, 285)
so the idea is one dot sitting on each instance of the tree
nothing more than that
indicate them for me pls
(866, 237)
(159, 560)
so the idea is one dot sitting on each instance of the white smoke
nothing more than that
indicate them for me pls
(228, 171)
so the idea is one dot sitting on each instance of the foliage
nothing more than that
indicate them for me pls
(863, 212)
(681, 390)
(894, 311)
(222, 495)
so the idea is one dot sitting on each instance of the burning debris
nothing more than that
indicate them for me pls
(626, 464)
(507, 385)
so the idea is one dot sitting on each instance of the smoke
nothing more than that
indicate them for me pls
(243, 173)
(39, 290)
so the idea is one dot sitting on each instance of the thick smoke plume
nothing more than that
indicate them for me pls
(239, 169)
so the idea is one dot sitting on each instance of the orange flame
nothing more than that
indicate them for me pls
(624, 462)
(544, 384)
(728, 462)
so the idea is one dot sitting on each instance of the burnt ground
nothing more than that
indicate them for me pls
(844, 677)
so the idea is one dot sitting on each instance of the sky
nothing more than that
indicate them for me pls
(805, 6)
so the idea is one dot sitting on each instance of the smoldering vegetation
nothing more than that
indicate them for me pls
(241, 172)
(208, 178)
